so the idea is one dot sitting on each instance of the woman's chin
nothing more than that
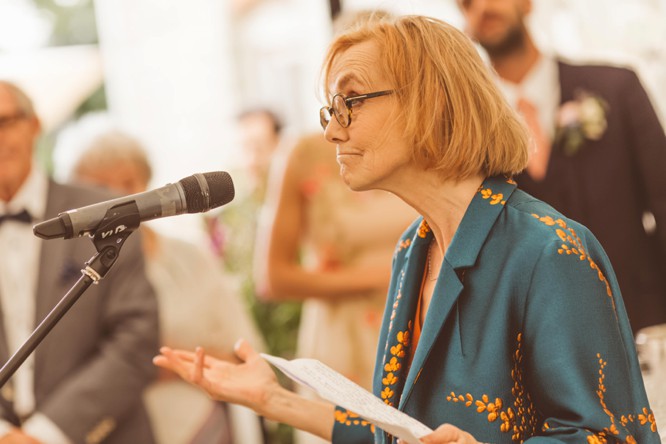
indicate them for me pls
(355, 186)
(354, 182)
(349, 180)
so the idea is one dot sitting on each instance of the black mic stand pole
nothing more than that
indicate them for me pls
(118, 223)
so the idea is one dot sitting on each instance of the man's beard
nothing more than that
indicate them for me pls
(512, 42)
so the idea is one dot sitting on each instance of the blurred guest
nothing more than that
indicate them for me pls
(84, 381)
(233, 228)
(189, 285)
(260, 131)
(330, 248)
(599, 151)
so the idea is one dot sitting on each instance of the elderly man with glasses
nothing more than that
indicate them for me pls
(83, 383)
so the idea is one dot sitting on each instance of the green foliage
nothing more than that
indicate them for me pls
(96, 102)
(73, 24)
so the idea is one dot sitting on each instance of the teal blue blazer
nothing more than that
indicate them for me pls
(526, 337)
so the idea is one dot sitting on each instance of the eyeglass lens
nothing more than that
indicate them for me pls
(341, 111)
(324, 116)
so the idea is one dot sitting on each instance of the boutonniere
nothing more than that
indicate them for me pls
(583, 118)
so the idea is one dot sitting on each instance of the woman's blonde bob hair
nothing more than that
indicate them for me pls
(458, 120)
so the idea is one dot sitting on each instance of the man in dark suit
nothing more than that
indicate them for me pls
(84, 382)
(600, 151)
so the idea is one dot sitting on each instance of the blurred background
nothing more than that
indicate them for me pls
(176, 74)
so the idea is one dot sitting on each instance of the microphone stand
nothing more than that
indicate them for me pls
(118, 223)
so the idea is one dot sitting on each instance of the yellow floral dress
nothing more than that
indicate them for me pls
(344, 229)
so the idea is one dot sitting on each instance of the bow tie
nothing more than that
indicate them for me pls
(22, 216)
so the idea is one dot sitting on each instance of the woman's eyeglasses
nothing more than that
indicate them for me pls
(341, 108)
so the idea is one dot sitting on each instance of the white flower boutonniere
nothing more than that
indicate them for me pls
(583, 118)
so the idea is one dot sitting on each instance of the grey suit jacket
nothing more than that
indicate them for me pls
(91, 369)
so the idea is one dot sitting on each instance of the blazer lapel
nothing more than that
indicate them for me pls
(392, 362)
(467, 242)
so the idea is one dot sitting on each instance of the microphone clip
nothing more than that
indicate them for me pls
(118, 223)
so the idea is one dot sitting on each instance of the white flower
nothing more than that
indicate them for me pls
(592, 117)
(580, 119)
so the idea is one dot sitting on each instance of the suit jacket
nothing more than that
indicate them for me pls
(609, 184)
(91, 369)
(526, 337)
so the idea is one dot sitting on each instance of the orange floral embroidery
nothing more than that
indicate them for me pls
(398, 351)
(495, 199)
(493, 408)
(647, 417)
(390, 379)
(601, 391)
(644, 418)
(521, 420)
(350, 418)
(394, 364)
(404, 243)
(403, 337)
(424, 229)
(597, 439)
(572, 245)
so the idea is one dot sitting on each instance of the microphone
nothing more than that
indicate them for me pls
(194, 194)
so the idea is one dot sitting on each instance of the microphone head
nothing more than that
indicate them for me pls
(206, 191)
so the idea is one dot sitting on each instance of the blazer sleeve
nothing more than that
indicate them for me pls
(579, 361)
(107, 386)
(349, 428)
(648, 143)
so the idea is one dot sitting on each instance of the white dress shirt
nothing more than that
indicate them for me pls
(541, 87)
(19, 268)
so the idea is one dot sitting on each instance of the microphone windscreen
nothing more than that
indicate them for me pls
(208, 190)
(221, 188)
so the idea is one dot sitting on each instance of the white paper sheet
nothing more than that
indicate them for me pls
(334, 387)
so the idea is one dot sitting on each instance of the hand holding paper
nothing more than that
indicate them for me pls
(334, 387)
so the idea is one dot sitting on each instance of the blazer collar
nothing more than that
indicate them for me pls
(477, 222)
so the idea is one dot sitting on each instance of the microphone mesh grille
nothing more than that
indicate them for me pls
(220, 187)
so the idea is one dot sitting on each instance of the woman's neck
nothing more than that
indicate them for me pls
(442, 203)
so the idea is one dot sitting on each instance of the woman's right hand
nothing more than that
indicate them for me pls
(250, 383)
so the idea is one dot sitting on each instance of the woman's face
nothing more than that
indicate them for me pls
(372, 151)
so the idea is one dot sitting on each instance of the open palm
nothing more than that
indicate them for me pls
(248, 383)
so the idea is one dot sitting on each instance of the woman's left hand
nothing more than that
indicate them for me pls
(250, 383)
(448, 434)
